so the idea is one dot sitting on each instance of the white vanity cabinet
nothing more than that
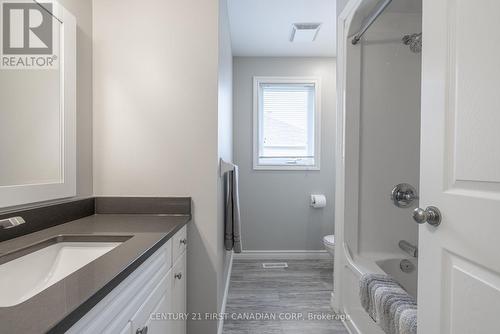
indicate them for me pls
(179, 293)
(146, 300)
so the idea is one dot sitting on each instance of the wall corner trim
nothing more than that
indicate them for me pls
(220, 325)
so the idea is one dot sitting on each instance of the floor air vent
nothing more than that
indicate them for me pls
(277, 265)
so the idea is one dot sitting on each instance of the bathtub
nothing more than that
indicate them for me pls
(382, 263)
(408, 281)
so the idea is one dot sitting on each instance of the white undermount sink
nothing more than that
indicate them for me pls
(27, 272)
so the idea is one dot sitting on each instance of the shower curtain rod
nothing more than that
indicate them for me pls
(370, 20)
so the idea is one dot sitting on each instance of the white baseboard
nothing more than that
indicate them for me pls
(284, 255)
(220, 326)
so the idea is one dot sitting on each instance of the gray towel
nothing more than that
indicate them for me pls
(232, 224)
(408, 321)
(388, 304)
(369, 283)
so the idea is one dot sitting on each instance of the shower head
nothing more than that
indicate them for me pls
(414, 41)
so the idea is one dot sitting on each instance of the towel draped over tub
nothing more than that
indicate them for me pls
(232, 223)
(388, 304)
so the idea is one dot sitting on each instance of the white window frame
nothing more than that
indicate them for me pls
(257, 82)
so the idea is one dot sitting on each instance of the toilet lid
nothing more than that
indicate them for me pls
(329, 239)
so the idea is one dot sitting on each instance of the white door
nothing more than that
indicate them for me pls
(459, 264)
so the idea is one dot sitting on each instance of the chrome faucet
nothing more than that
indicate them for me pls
(11, 222)
(408, 248)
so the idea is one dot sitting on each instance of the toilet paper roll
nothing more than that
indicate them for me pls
(318, 201)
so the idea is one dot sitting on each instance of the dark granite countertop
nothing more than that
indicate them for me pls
(58, 307)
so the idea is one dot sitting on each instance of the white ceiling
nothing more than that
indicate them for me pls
(263, 27)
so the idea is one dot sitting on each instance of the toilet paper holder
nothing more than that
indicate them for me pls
(318, 201)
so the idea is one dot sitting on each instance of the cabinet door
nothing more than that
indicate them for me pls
(153, 314)
(179, 294)
(140, 291)
(157, 323)
(127, 329)
(179, 243)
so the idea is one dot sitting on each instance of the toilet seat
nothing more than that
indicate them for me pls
(329, 240)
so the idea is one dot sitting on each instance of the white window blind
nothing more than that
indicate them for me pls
(286, 124)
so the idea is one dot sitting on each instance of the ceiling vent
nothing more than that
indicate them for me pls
(304, 32)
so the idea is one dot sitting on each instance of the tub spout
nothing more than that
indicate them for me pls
(408, 248)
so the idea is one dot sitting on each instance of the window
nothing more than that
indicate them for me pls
(286, 123)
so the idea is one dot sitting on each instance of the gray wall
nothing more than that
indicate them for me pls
(156, 121)
(275, 209)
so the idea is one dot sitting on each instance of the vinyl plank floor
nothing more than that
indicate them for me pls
(281, 301)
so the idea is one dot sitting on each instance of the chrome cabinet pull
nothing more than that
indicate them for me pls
(178, 276)
(143, 330)
(184, 241)
(431, 215)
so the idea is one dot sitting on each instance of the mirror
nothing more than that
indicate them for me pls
(30, 126)
(37, 102)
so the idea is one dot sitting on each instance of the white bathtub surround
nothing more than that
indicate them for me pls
(388, 304)
(408, 280)
(376, 263)
(378, 147)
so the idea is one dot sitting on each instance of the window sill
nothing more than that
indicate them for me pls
(285, 168)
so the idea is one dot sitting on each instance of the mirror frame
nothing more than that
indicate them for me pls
(32, 193)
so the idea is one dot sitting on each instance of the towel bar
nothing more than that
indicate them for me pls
(225, 167)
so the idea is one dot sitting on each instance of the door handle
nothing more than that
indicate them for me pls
(431, 215)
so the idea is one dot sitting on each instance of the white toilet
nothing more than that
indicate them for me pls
(329, 242)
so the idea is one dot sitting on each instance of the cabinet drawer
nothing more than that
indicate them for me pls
(179, 293)
(112, 313)
(158, 302)
(127, 329)
(179, 243)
